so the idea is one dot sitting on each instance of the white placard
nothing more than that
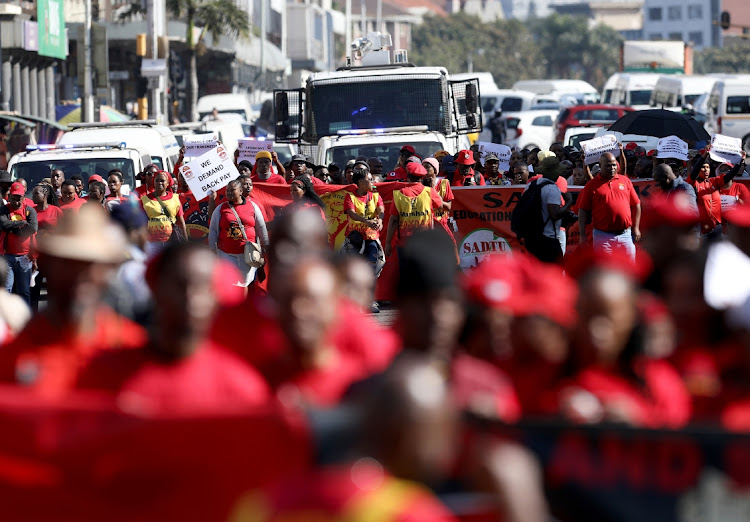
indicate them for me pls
(726, 149)
(503, 153)
(211, 171)
(595, 147)
(198, 144)
(249, 147)
(672, 147)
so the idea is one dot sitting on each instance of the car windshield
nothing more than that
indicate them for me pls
(640, 97)
(576, 139)
(35, 171)
(385, 152)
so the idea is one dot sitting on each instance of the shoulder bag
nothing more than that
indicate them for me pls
(177, 236)
(253, 253)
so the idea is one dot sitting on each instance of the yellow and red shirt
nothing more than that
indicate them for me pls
(366, 206)
(159, 224)
(414, 206)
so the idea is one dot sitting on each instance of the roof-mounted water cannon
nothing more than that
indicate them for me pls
(373, 50)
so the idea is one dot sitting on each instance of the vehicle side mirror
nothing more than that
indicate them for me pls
(281, 103)
(472, 98)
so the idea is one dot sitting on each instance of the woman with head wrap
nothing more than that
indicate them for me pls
(165, 216)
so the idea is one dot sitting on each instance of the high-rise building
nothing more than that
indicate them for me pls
(685, 20)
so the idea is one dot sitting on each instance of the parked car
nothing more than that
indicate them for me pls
(729, 109)
(575, 135)
(595, 115)
(529, 129)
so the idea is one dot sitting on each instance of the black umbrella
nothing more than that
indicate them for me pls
(660, 124)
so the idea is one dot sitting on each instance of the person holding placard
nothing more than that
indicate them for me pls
(234, 223)
(262, 171)
(732, 193)
(708, 196)
(614, 207)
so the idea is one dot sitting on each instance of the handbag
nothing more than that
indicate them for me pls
(253, 253)
(176, 236)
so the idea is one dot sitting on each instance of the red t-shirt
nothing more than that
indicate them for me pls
(47, 218)
(73, 206)
(47, 359)
(736, 194)
(230, 238)
(210, 379)
(273, 178)
(709, 201)
(15, 244)
(481, 384)
(397, 175)
(356, 491)
(459, 181)
(610, 202)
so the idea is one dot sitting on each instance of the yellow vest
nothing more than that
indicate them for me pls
(368, 211)
(414, 213)
(159, 225)
(442, 189)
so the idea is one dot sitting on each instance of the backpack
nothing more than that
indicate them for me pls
(526, 219)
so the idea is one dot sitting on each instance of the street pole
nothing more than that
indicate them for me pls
(348, 31)
(156, 26)
(363, 12)
(87, 102)
(263, 30)
(379, 17)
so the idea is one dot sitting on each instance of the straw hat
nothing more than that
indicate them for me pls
(87, 235)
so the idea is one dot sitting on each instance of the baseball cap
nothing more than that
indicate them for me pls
(415, 169)
(408, 148)
(439, 155)
(491, 157)
(263, 154)
(543, 154)
(96, 177)
(16, 189)
(631, 146)
(465, 157)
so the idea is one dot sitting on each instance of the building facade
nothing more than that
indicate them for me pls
(685, 20)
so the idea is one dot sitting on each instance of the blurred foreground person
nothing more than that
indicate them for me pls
(407, 439)
(177, 371)
(14, 312)
(80, 256)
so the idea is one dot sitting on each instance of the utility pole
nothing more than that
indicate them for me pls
(87, 100)
(348, 32)
(156, 27)
(263, 31)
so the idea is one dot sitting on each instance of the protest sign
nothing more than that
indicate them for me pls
(672, 147)
(197, 144)
(502, 152)
(249, 147)
(211, 171)
(594, 148)
(726, 149)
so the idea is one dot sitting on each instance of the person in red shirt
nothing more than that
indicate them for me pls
(147, 180)
(50, 351)
(399, 174)
(262, 170)
(178, 372)
(114, 182)
(18, 224)
(407, 438)
(614, 379)
(47, 217)
(731, 193)
(69, 200)
(304, 196)
(412, 208)
(465, 174)
(614, 207)
(707, 190)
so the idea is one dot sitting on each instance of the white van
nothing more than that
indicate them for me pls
(157, 140)
(609, 87)
(560, 88)
(235, 107)
(634, 90)
(729, 109)
(674, 91)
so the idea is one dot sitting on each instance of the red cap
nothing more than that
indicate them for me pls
(738, 215)
(675, 210)
(631, 146)
(415, 169)
(408, 148)
(651, 152)
(96, 177)
(465, 157)
(17, 189)
(585, 258)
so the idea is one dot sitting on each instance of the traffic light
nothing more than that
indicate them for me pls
(725, 20)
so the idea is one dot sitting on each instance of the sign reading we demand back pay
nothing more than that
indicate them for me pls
(211, 171)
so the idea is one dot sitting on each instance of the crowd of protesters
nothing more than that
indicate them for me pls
(641, 325)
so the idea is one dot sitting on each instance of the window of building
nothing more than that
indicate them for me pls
(696, 37)
(675, 36)
(674, 12)
(695, 11)
(654, 13)
(655, 36)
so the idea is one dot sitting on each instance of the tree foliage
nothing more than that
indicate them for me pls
(558, 46)
(734, 57)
